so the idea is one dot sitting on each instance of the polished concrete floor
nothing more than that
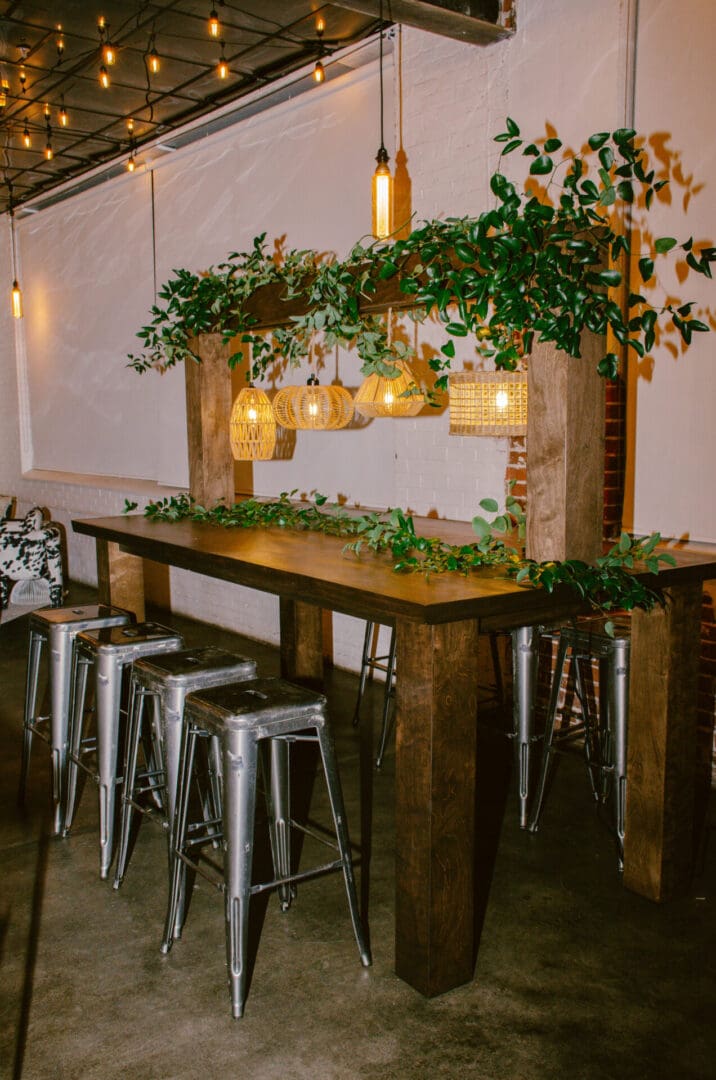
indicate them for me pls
(574, 977)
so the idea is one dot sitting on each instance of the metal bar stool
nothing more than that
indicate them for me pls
(605, 739)
(242, 717)
(163, 682)
(110, 653)
(371, 661)
(57, 628)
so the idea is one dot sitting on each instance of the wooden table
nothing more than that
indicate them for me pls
(437, 623)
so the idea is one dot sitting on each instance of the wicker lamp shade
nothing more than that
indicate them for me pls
(252, 426)
(379, 396)
(313, 407)
(488, 403)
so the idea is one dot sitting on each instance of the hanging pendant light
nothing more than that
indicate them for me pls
(379, 395)
(252, 428)
(488, 403)
(313, 407)
(382, 188)
(16, 294)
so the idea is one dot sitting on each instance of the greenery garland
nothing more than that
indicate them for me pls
(608, 585)
(538, 266)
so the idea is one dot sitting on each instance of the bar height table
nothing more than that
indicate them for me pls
(437, 624)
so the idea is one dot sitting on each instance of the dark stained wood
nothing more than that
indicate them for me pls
(658, 845)
(120, 578)
(436, 698)
(565, 453)
(208, 409)
(301, 642)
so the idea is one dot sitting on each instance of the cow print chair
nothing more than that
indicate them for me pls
(30, 549)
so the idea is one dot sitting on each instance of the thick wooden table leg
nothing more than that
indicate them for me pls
(120, 578)
(658, 845)
(301, 642)
(435, 804)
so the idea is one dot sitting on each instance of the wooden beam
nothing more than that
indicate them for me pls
(661, 771)
(565, 453)
(208, 409)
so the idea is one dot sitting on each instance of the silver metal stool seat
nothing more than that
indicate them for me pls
(243, 717)
(57, 628)
(605, 739)
(110, 653)
(165, 680)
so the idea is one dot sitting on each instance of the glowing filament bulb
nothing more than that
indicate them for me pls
(501, 400)
(64, 118)
(319, 72)
(223, 69)
(320, 25)
(214, 24)
(252, 415)
(130, 125)
(104, 77)
(131, 163)
(48, 151)
(154, 62)
(101, 22)
(60, 40)
(388, 398)
(108, 54)
(382, 197)
(26, 140)
(46, 110)
(16, 300)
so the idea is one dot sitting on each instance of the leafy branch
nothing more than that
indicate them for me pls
(607, 585)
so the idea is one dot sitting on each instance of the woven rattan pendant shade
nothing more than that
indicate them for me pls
(379, 396)
(488, 403)
(252, 426)
(313, 407)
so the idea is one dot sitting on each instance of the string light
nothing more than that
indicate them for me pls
(22, 76)
(60, 41)
(153, 61)
(64, 118)
(46, 110)
(108, 54)
(131, 163)
(26, 140)
(49, 153)
(319, 72)
(104, 77)
(4, 88)
(214, 24)
(222, 69)
(130, 125)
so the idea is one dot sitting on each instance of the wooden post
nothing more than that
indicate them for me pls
(436, 696)
(301, 642)
(208, 409)
(565, 453)
(120, 578)
(659, 840)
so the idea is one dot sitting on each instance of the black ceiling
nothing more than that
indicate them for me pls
(263, 40)
(58, 47)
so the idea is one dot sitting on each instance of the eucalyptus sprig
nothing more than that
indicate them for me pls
(607, 585)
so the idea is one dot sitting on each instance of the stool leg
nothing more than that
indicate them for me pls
(177, 866)
(240, 763)
(61, 646)
(109, 700)
(134, 731)
(618, 713)
(80, 671)
(524, 656)
(589, 725)
(280, 816)
(364, 667)
(335, 795)
(387, 698)
(548, 736)
(34, 653)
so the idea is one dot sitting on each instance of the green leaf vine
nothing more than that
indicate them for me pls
(537, 266)
(608, 585)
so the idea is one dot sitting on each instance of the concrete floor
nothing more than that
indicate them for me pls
(575, 977)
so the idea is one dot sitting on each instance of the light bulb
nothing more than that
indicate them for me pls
(388, 398)
(214, 24)
(64, 118)
(130, 125)
(382, 197)
(154, 62)
(104, 77)
(101, 22)
(48, 151)
(319, 72)
(26, 140)
(60, 40)
(252, 415)
(223, 69)
(16, 300)
(320, 25)
(131, 163)
(4, 87)
(108, 54)
(46, 109)
(502, 400)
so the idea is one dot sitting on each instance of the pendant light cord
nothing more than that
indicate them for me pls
(382, 141)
